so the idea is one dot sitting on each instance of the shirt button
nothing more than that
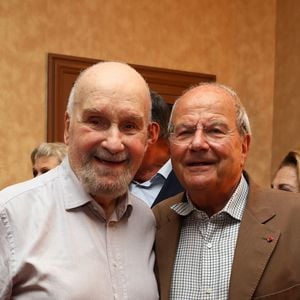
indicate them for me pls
(209, 245)
(209, 290)
(112, 224)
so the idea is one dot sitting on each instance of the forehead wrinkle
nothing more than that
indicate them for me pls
(123, 113)
(210, 99)
(203, 93)
(194, 118)
(99, 97)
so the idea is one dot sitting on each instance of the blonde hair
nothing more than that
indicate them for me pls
(59, 150)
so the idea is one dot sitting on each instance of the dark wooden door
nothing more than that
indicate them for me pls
(63, 71)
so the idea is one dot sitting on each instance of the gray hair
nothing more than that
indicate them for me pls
(242, 120)
(59, 150)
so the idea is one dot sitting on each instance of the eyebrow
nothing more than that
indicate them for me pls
(87, 111)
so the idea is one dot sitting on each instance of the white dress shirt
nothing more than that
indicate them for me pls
(149, 190)
(55, 243)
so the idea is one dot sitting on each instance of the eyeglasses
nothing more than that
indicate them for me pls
(184, 134)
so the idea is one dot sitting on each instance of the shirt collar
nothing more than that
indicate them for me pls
(166, 169)
(159, 177)
(234, 207)
(75, 196)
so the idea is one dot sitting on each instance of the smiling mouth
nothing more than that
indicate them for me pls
(199, 164)
(110, 162)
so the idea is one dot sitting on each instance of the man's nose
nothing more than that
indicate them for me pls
(113, 141)
(199, 140)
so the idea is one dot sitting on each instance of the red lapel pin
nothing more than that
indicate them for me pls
(269, 239)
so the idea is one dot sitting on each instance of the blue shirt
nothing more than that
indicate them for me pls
(149, 190)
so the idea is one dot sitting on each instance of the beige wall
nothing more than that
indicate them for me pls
(234, 39)
(286, 125)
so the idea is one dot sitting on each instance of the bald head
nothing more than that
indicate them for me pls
(229, 95)
(109, 78)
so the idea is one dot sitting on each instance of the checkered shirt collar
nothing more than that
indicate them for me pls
(234, 207)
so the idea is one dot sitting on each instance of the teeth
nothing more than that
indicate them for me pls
(109, 160)
(199, 164)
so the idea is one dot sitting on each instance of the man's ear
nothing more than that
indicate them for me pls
(153, 132)
(67, 128)
(245, 148)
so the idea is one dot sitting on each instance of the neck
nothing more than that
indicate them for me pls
(108, 204)
(211, 203)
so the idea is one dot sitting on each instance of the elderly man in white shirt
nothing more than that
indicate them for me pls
(75, 232)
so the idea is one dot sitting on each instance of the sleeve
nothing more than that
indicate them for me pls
(6, 251)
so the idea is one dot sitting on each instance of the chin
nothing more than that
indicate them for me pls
(111, 193)
(197, 183)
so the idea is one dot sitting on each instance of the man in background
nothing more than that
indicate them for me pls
(225, 237)
(155, 179)
(76, 232)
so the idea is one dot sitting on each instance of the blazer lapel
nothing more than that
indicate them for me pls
(255, 244)
(165, 248)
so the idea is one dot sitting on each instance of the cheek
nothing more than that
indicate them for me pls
(226, 149)
(137, 147)
(83, 140)
(136, 150)
(177, 153)
(234, 153)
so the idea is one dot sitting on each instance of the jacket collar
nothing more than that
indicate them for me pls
(256, 242)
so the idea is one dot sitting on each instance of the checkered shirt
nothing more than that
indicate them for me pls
(206, 248)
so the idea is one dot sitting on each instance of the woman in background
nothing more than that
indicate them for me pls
(47, 156)
(287, 175)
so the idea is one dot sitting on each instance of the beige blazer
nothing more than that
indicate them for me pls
(266, 262)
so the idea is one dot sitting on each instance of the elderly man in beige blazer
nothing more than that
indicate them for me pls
(225, 237)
